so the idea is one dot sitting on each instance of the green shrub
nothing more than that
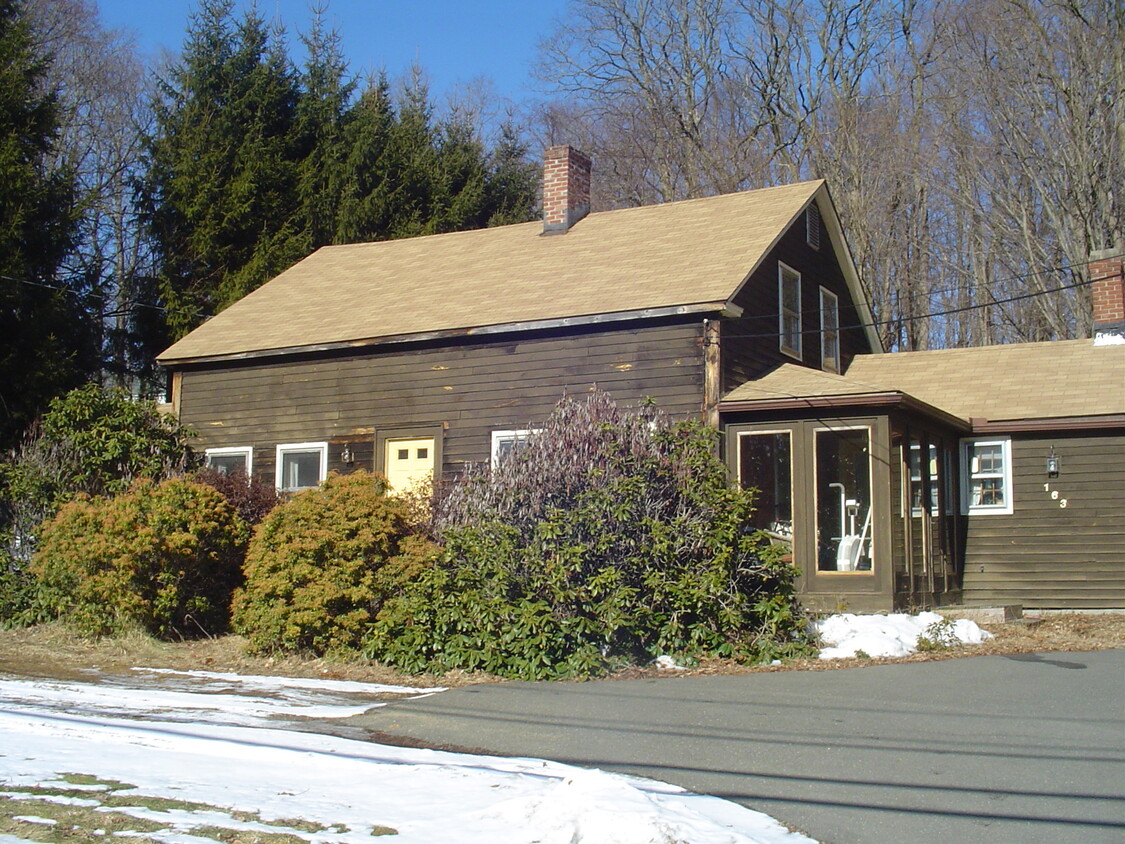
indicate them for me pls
(611, 537)
(320, 566)
(91, 441)
(163, 557)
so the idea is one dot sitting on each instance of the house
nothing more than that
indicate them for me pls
(416, 356)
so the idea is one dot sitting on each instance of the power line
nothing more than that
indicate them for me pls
(73, 292)
(906, 319)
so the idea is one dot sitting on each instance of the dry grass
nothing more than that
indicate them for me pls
(50, 650)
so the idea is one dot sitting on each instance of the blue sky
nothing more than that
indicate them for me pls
(456, 41)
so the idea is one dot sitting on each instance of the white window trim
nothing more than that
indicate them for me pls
(231, 451)
(967, 507)
(782, 268)
(499, 437)
(825, 296)
(282, 449)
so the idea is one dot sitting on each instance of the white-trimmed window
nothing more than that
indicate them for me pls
(230, 460)
(789, 312)
(505, 442)
(829, 331)
(986, 473)
(301, 465)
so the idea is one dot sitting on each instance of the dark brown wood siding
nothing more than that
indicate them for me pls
(1047, 555)
(751, 344)
(468, 389)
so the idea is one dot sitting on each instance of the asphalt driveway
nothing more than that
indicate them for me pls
(1024, 748)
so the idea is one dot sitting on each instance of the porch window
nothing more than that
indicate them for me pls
(301, 465)
(789, 295)
(829, 331)
(916, 482)
(843, 500)
(986, 467)
(229, 461)
(765, 463)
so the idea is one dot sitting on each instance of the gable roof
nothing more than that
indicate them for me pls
(689, 256)
(989, 386)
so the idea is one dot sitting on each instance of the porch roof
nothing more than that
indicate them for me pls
(1073, 382)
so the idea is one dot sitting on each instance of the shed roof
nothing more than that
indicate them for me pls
(1025, 381)
(690, 255)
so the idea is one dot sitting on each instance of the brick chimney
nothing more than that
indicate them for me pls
(1108, 287)
(566, 188)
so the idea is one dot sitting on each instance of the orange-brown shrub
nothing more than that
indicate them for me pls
(165, 557)
(320, 566)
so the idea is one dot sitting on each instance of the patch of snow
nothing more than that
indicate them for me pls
(263, 682)
(208, 698)
(668, 663)
(348, 786)
(35, 819)
(896, 634)
(60, 799)
(1109, 338)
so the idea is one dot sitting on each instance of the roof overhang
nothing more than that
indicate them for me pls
(1049, 424)
(884, 400)
(700, 308)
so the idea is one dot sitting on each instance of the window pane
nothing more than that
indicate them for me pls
(990, 459)
(790, 291)
(790, 309)
(830, 331)
(765, 464)
(988, 492)
(843, 500)
(227, 464)
(300, 469)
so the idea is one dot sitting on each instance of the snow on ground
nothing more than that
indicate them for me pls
(847, 634)
(214, 738)
(210, 755)
(217, 698)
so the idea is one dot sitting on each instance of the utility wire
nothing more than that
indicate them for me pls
(904, 319)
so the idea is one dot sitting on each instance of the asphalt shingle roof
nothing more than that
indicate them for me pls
(998, 383)
(681, 254)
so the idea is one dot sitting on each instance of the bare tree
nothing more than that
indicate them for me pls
(101, 85)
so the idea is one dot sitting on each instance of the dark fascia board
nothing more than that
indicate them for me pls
(889, 400)
(717, 308)
(1106, 421)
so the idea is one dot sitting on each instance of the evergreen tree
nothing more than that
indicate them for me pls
(513, 181)
(221, 193)
(253, 165)
(364, 182)
(322, 128)
(47, 344)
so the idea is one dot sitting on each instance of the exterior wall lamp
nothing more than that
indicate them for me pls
(1052, 464)
(346, 455)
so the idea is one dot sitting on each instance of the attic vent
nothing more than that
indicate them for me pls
(812, 226)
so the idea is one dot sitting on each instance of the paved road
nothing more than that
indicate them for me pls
(1027, 748)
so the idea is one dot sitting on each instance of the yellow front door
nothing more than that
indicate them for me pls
(409, 462)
